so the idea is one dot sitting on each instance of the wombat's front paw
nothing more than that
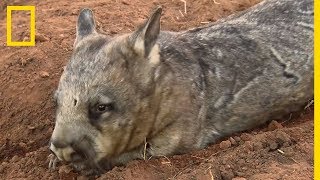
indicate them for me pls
(85, 169)
(53, 161)
(79, 166)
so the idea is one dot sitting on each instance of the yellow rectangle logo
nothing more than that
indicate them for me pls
(32, 25)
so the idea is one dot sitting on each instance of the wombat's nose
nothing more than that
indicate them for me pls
(61, 149)
(59, 144)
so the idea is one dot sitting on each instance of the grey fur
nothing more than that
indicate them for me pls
(205, 83)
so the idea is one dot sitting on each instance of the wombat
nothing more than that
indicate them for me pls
(158, 93)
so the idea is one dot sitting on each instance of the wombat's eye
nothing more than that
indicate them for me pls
(101, 108)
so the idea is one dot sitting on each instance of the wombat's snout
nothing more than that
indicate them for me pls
(71, 151)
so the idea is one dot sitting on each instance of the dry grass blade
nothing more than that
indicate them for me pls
(145, 149)
(181, 13)
(280, 151)
(214, 1)
(185, 6)
(309, 104)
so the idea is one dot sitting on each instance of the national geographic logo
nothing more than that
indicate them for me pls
(32, 25)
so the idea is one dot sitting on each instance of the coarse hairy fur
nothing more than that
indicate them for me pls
(168, 93)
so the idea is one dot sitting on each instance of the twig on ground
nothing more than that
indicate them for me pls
(166, 162)
(214, 1)
(280, 151)
(185, 6)
(309, 104)
(290, 116)
(181, 13)
(210, 172)
(145, 149)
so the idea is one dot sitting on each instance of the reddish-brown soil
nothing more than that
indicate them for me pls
(29, 75)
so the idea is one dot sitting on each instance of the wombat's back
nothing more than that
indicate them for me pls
(253, 66)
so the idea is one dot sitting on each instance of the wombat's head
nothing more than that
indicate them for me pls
(103, 94)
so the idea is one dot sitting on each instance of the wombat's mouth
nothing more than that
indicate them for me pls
(90, 167)
(82, 165)
(84, 159)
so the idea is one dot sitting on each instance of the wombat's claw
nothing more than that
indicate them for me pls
(53, 160)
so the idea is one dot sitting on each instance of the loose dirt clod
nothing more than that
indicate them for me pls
(246, 137)
(237, 139)
(257, 146)
(44, 74)
(15, 158)
(273, 145)
(227, 174)
(41, 38)
(239, 178)
(248, 145)
(1, 168)
(82, 178)
(233, 141)
(225, 144)
(273, 125)
(64, 169)
(23, 145)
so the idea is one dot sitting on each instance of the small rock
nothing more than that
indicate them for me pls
(237, 138)
(1, 168)
(31, 127)
(289, 152)
(273, 145)
(227, 174)
(257, 146)
(224, 161)
(286, 144)
(273, 125)
(238, 173)
(239, 178)
(23, 62)
(233, 141)
(246, 137)
(23, 145)
(82, 178)
(225, 144)
(50, 130)
(282, 137)
(44, 74)
(26, 61)
(241, 162)
(26, 39)
(15, 158)
(125, 2)
(64, 169)
(75, 12)
(41, 38)
(248, 145)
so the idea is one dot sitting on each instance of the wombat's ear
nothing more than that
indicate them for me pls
(144, 39)
(85, 24)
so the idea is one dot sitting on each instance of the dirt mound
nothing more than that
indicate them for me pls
(29, 76)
